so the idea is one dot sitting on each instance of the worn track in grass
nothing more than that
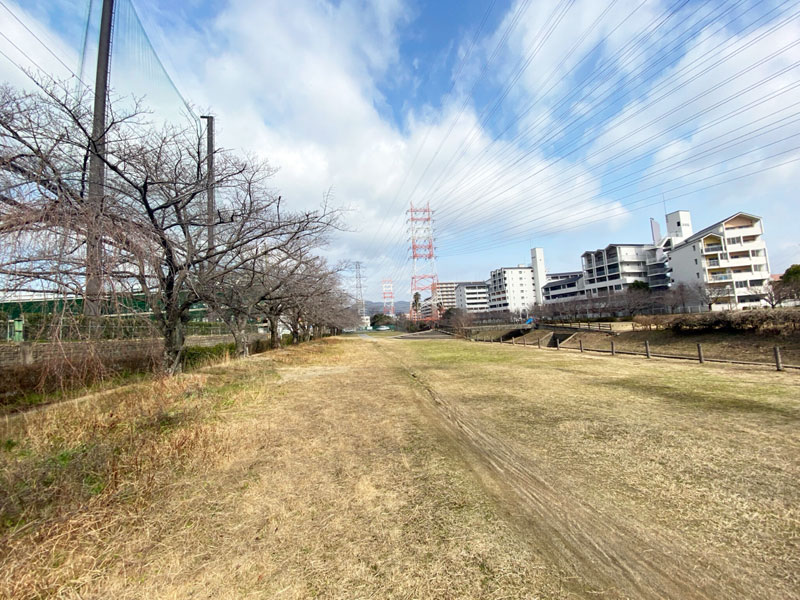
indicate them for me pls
(606, 555)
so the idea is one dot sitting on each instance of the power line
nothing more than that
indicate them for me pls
(38, 39)
(658, 21)
(735, 95)
(567, 127)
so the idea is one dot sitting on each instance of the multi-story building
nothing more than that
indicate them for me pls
(679, 227)
(543, 291)
(612, 269)
(729, 258)
(446, 294)
(511, 289)
(472, 296)
(564, 287)
(426, 308)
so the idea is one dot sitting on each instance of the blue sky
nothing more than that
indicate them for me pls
(564, 124)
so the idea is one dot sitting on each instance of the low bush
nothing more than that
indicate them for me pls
(771, 321)
(194, 356)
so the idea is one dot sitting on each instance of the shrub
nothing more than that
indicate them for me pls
(773, 321)
(197, 355)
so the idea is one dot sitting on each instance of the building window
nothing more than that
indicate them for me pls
(694, 249)
(741, 284)
(698, 275)
(695, 261)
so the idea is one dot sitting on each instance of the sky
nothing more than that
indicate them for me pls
(561, 124)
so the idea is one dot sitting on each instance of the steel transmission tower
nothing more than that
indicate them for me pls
(388, 297)
(362, 311)
(424, 278)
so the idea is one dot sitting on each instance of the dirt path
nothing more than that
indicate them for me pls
(608, 556)
(377, 468)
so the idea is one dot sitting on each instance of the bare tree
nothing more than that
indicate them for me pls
(709, 295)
(774, 293)
(152, 223)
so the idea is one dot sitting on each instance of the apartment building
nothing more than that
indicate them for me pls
(472, 296)
(679, 227)
(542, 279)
(564, 287)
(612, 269)
(511, 289)
(728, 257)
(446, 292)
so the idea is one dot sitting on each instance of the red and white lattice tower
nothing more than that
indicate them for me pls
(424, 280)
(388, 297)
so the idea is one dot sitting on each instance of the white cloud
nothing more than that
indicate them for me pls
(300, 84)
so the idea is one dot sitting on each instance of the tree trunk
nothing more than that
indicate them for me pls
(173, 348)
(242, 340)
(274, 338)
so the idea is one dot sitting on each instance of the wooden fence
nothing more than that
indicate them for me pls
(647, 352)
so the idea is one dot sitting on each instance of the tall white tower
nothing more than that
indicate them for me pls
(679, 224)
(539, 274)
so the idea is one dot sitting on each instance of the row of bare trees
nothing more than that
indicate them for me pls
(680, 298)
(635, 300)
(150, 236)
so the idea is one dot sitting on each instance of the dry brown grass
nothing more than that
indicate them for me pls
(695, 466)
(729, 346)
(328, 470)
(308, 474)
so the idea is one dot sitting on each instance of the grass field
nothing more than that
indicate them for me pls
(383, 468)
(730, 346)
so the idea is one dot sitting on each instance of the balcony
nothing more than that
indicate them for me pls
(712, 248)
(743, 231)
(713, 262)
(721, 277)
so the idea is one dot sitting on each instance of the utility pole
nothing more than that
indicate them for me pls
(210, 200)
(94, 237)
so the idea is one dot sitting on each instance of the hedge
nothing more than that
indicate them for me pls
(775, 321)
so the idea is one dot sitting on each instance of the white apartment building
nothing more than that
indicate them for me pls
(729, 257)
(542, 279)
(564, 287)
(446, 292)
(679, 227)
(472, 296)
(612, 269)
(511, 289)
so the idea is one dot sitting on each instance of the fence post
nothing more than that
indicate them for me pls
(558, 344)
(513, 341)
(524, 341)
(539, 342)
(700, 353)
(778, 360)
(580, 343)
(647, 348)
(613, 348)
